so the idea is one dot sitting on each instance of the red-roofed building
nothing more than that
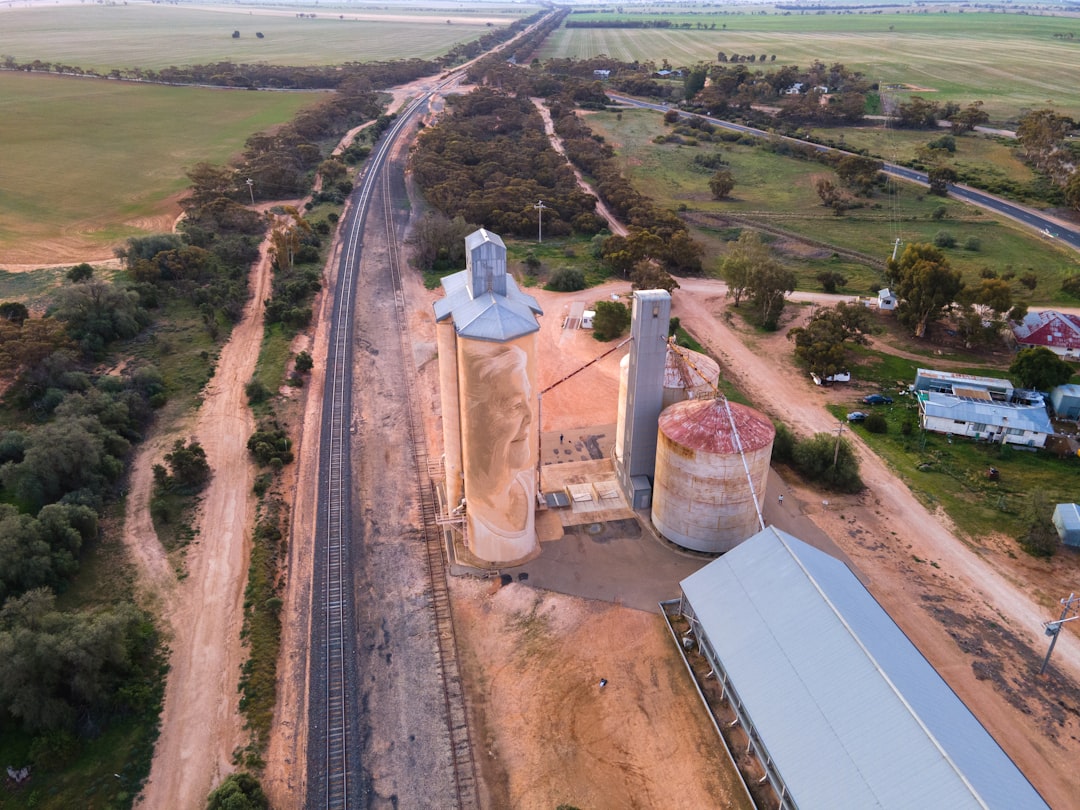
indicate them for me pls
(1056, 331)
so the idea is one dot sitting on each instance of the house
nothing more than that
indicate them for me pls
(1067, 523)
(840, 708)
(601, 74)
(1065, 400)
(982, 408)
(1058, 332)
(886, 300)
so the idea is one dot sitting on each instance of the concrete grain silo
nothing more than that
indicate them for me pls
(487, 370)
(702, 499)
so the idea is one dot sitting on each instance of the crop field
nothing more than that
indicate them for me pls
(89, 162)
(1009, 61)
(102, 37)
(778, 192)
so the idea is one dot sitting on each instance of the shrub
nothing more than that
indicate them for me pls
(1071, 286)
(783, 449)
(814, 460)
(972, 243)
(875, 423)
(256, 392)
(944, 239)
(939, 212)
(567, 279)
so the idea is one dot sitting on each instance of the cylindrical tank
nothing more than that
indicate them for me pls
(688, 375)
(702, 499)
(497, 384)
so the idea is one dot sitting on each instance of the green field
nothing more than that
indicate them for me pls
(778, 192)
(88, 162)
(102, 37)
(1009, 61)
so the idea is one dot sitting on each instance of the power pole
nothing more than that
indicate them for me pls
(540, 221)
(251, 189)
(1053, 629)
(836, 452)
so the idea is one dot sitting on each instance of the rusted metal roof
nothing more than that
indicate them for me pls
(704, 425)
(685, 368)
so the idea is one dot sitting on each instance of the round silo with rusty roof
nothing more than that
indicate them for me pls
(702, 495)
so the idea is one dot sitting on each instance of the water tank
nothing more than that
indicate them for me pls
(702, 499)
(688, 375)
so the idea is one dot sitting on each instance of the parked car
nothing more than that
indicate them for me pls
(857, 416)
(876, 399)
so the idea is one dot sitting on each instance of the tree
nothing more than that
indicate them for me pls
(917, 113)
(939, 178)
(239, 791)
(970, 117)
(14, 311)
(821, 345)
(1042, 134)
(858, 173)
(304, 362)
(721, 184)
(830, 280)
(189, 468)
(439, 242)
(1038, 368)
(745, 258)
(648, 275)
(611, 319)
(769, 288)
(925, 284)
(96, 313)
(1072, 190)
(80, 272)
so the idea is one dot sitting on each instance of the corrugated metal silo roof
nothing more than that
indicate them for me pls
(703, 425)
(850, 712)
(489, 316)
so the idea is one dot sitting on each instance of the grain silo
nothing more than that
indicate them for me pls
(487, 369)
(702, 495)
(688, 375)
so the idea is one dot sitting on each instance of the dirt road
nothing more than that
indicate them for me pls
(201, 724)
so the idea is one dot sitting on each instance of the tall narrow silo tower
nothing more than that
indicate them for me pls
(487, 370)
(644, 399)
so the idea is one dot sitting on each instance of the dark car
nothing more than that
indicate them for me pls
(857, 416)
(876, 399)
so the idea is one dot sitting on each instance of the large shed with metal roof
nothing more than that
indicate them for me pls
(840, 707)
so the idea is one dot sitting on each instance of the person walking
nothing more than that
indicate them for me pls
(780, 500)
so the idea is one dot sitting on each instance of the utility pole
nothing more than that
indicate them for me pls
(540, 221)
(1053, 629)
(251, 189)
(836, 452)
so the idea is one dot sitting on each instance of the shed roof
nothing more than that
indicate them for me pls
(1067, 516)
(849, 711)
(489, 316)
(1048, 328)
(1032, 417)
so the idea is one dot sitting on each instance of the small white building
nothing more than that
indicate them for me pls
(587, 318)
(1065, 400)
(886, 300)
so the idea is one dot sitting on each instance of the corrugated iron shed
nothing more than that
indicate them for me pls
(1067, 523)
(848, 710)
(976, 411)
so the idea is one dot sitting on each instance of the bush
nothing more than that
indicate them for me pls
(944, 239)
(972, 243)
(783, 449)
(567, 279)
(939, 212)
(814, 460)
(256, 392)
(611, 320)
(875, 423)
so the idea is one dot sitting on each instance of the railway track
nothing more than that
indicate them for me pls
(464, 765)
(339, 726)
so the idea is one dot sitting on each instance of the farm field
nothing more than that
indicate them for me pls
(778, 192)
(1009, 61)
(102, 37)
(90, 162)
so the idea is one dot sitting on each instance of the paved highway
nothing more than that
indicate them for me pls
(1049, 227)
